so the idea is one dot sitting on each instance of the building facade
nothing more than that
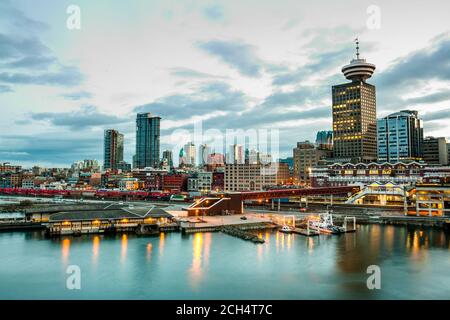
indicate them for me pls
(306, 156)
(354, 114)
(147, 141)
(400, 137)
(398, 173)
(113, 149)
(435, 150)
(168, 157)
(254, 177)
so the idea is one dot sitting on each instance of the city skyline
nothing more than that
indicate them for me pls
(64, 98)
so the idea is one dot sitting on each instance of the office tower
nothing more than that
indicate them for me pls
(113, 149)
(147, 140)
(306, 156)
(189, 154)
(167, 156)
(354, 113)
(400, 137)
(435, 150)
(236, 154)
(204, 152)
(324, 138)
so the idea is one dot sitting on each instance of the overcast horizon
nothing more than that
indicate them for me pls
(232, 64)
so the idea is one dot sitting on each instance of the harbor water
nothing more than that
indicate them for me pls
(414, 264)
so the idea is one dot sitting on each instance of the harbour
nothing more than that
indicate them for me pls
(213, 265)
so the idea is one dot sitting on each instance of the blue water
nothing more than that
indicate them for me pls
(415, 264)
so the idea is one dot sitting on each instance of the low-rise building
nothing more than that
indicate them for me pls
(343, 174)
(254, 177)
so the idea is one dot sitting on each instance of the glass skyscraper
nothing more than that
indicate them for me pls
(354, 114)
(147, 141)
(400, 137)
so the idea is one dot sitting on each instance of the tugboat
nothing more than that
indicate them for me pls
(286, 229)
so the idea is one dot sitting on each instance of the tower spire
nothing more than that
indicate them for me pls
(357, 47)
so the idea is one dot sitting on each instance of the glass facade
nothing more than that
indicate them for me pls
(400, 137)
(147, 141)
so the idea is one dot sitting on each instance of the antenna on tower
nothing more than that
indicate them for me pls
(357, 48)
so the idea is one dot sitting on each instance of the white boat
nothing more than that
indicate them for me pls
(286, 229)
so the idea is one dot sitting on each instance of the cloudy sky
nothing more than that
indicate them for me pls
(232, 64)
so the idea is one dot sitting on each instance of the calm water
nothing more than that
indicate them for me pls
(414, 264)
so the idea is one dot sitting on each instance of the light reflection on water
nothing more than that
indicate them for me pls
(215, 265)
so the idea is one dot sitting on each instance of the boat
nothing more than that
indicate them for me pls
(286, 229)
(325, 224)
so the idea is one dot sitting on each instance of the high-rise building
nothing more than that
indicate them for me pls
(236, 155)
(324, 138)
(204, 152)
(168, 157)
(306, 156)
(435, 150)
(354, 113)
(147, 141)
(113, 149)
(189, 154)
(400, 137)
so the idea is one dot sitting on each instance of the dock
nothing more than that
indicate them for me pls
(306, 232)
(242, 234)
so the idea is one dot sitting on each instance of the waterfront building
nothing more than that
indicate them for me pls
(254, 177)
(354, 114)
(400, 137)
(306, 156)
(344, 174)
(432, 199)
(112, 217)
(113, 149)
(435, 150)
(147, 141)
(168, 156)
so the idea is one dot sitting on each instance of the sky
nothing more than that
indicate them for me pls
(248, 64)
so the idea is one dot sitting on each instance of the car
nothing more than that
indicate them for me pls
(244, 218)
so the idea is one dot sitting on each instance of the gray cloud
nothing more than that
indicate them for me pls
(15, 19)
(430, 98)
(61, 148)
(207, 98)
(25, 60)
(86, 117)
(437, 115)
(430, 63)
(238, 55)
(65, 76)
